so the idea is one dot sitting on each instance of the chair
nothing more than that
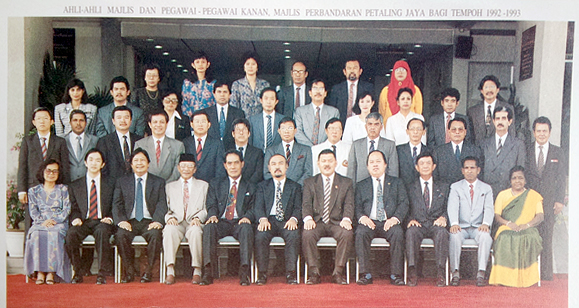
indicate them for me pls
(329, 243)
(427, 243)
(138, 242)
(230, 242)
(377, 243)
(277, 242)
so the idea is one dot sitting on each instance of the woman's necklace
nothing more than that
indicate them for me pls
(149, 94)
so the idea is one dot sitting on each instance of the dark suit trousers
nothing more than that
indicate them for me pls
(124, 238)
(310, 240)
(414, 236)
(214, 231)
(102, 233)
(263, 239)
(394, 236)
(546, 232)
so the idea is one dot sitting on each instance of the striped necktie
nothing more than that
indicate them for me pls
(327, 194)
(380, 213)
(269, 139)
(43, 147)
(93, 211)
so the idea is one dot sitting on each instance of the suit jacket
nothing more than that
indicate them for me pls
(104, 125)
(233, 113)
(496, 168)
(448, 168)
(30, 160)
(463, 212)
(170, 152)
(257, 136)
(218, 195)
(79, 193)
(341, 199)
(124, 198)
(195, 206)
(339, 96)
(211, 164)
(551, 183)
(395, 198)
(182, 127)
(477, 116)
(286, 96)
(291, 200)
(300, 163)
(115, 165)
(406, 165)
(305, 118)
(438, 204)
(252, 164)
(357, 169)
(77, 167)
(436, 133)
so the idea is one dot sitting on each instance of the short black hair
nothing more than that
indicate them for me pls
(425, 154)
(492, 78)
(200, 112)
(167, 92)
(76, 111)
(353, 60)
(402, 90)
(319, 80)
(40, 172)
(140, 151)
(333, 120)
(41, 109)
(219, 84)
(94, 150)
(457, 119)
(469, 158)
(515, 169)
(277, 154)
(251, 55)
(268, 89)
(302, 62)
(243, 121)
(153, 66)
(285, 120)
(122, 108)
(416, 119)
(326, 151)
(157, 112)
(374, 151)
(199, 54)
(542, 120)
(452, 92)
(234, 152)
(356, 108)
(119, 79)
(506, 109)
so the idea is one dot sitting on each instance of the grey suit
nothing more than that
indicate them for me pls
(170, 151)
(477, 116)
(104, 125)
(300, 163)
(305, 117)
(496, 168)
(357, 170)
(470, 215)
(257, 137)
(77, 167)
(287, 101)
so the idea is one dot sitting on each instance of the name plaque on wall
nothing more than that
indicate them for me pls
(527, 53)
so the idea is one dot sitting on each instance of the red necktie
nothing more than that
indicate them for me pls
(158, 151)
(185, 198)
(350, 100)
(471, 193)
(93, 211)
(43, 147)
(199, 150)
(447, 140)
(230, 211)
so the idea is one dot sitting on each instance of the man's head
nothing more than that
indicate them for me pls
(374, 125)
(42, 119)
(489, 88)
(94, 161)
(457, 129)
(152, 76)
(425, 165)
(233, 163)
(470, 168)
(318, 92)
(299, 73)
(327, 162)
(449, 99)
(415, 129)
(158, 120)
(268, 99)
(221, 93)
(502, 119)
(241, 130)
(334, 130)
(140, 162)
(120, 90)
(352, 70)
(277, 166)
(122, 117)
(77, 121)
(376, 163)
(287, 129)
(187, 166)
(200, 123)
(542, 130)
(200, 62)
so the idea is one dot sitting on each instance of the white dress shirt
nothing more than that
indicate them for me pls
(342, 152)
(74, 141)
(170, 132)
(545, 152)
(97, 183)
(355, 129)
(146, 213)
(429, 188)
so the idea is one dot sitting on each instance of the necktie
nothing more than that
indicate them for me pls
(488, 121)
(371, 146)
(471, 193)
(278, 204)
(287, 152)
(241, 151)
(414, 154)
(426, 195)
(334, 149)
(185, 198)
(316, 126)
(541, 160)
(457, 153)
(139, 200)
(230, 211)
(158, 151)
(269, 139)
(199, 150)
(380, 213)
(93, 211)
(447, 138)
(79, 147)
(500, 147)
(222, 122)
(43, 147)
(127, 153)
(298, 97)
(327, 193)
(350, 99)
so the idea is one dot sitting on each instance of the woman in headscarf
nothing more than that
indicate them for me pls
(400, 78)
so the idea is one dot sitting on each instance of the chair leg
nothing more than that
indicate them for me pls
(405, 270)
(348, 271)
(117, 266)
(357, 269)
(306, 272)
(298, 269)
(447, 274)
(539, 266)
(162, 267)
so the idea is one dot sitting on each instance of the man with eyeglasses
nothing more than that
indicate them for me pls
(296, 95)
(343, 95)
(438, 133)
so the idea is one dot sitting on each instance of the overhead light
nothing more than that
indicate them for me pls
(179, 65)
(185, 71)
(410, 52)
(173, 60)
(288, 57)
(150, 40)
(390, 70)
(166, 53)
(387, 75)
(158, 47)
(287, 50)
(417, 46)
(286, 43)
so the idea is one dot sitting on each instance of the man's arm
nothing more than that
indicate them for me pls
(161, 202)
(352, 163)
(301, 135)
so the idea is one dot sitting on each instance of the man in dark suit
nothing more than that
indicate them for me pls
(91, 199)
(449, 155)
(438, 133)
(263, 125)
(381, 207)
(328, 210)
(78, 143)
(222, 114)
(427, 218)
(252, 156)
(296, 95)
(343, 95)
(298, 155)
(208, 151)
(36, 149)
(502, 151)
(118, 146)
(278, 208)
(139, 208)
(481, 115)
(229, 208)
(546, 173)
(408, 152)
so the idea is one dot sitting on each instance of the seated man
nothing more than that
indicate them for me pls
(471, 214)
(185, 216)
(139, 208)
(381, 205)
(278, 204)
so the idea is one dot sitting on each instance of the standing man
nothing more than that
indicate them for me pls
(343, 95)
(334, 143)
(381, 207)
(362, 147)
(78, 143)
(186, 214)
(252, 156)
(149, 98)
(328, 210)
(91, 213)
(278, 205)
(263, 125)
(299, 156)
(167, 150)
(471, 214)
(120, 91)
(139, 208)
(408, 152)
(198, 93)
(546, 174)
(427, 218)
(438, 133)
(229, 208)
(294, 96)
(222, 115)
(502, 151)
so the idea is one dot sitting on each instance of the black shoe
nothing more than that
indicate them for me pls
(291, 278)
(338, 278)
(440, 281)
(314, 279)
(76, 279)
(397, 281)
(480, 282)
(261, 280)
(101, 280)
(455, 281)
(147, 277)
(244, 280)
(128, 278)
(206, 280)
(365, 281)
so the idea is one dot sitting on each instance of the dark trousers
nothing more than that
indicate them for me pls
(310, 240)
(394, 236)
(214, 231)
(263, 239)
(414, 236)
(102, 233)
(124, 238)
(546, 231)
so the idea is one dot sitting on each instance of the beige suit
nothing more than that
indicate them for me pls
(172, 235)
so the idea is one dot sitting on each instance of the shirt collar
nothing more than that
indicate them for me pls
(144, 177)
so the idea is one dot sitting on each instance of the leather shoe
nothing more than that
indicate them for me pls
(440, 281)
(314, 279)
(76, 279)
(244, 280)
(480, 282)
(170, 279)
(338, 279)
(412, 281)
(397, 281)
(206, 280)
(196, 279)
(128, 278)
(147, 277)
(365, 281)
(455, 281)
(290, 278)
(101, 280)
(261, 280)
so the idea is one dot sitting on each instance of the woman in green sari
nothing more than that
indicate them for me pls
(517, 242)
